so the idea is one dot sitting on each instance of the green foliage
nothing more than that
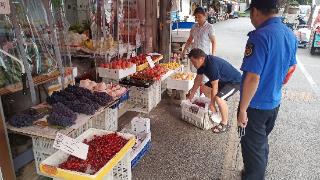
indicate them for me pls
(294, 3)
(304, 2)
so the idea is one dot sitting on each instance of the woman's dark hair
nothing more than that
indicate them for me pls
(199, 10)
(196, 53)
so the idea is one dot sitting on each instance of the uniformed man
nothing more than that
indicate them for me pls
(224, 81)
(269, 61)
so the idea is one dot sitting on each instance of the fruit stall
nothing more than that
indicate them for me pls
(44, 91)
(47, 87)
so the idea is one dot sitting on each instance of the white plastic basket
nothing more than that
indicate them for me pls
(158, 93)
(43, 144)
(145, 99)
(38, 158)
(198, 116)
(122, 171)
(107, 120)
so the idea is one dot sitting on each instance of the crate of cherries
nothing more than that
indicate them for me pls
(106, 150)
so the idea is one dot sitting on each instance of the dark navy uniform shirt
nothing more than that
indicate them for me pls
(270, 52)
(216, 68)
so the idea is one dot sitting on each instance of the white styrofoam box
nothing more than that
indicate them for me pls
(183, 85)
(140, 125)
(142, 139)
(116, 73)
(168, 74)
(141, 143)
(198, 116)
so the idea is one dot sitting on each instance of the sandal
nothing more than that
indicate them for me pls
(220, 128)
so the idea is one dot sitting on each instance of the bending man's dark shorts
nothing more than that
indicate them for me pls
(225, 90)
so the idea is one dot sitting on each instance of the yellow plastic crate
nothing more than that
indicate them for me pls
(146, 65)
(50, 168)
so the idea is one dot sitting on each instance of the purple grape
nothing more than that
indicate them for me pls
(80, 107)
(69, 96)
(61, 115)
(102, 98)
(94, 104)
(21, 120)
(55, 98)
(60, 120)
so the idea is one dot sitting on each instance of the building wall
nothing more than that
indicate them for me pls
(185, 9)
(71, 11)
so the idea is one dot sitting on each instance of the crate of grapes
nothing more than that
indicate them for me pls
(114, 163)
(197, 112)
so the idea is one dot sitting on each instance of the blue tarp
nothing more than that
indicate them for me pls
(182, 25)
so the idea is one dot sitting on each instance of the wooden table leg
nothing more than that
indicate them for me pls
(6, 162)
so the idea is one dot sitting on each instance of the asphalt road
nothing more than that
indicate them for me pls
(181, 151)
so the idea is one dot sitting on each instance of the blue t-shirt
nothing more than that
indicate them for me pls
(270, 52)
(216, 68)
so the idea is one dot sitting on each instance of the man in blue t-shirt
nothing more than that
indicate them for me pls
(224, 81)
(269, 61)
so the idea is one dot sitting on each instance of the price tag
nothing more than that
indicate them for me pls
(4, 7)
(150, 61)
(133, 54)
(71, 146)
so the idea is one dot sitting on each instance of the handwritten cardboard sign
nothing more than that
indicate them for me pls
(71, 146)
(150, 61)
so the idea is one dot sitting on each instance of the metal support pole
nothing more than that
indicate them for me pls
(53, 34)
(23, 54)
(6, 163)
(128, 32)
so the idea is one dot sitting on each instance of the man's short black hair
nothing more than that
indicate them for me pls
(196, 53)
(266, 7)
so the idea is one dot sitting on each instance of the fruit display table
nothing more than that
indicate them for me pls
(108, 164)
(70, 112)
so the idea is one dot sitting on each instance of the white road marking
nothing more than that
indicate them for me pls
(313, 84)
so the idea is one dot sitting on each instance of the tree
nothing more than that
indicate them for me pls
(305, 2)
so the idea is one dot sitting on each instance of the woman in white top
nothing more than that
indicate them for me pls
(202, 34)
